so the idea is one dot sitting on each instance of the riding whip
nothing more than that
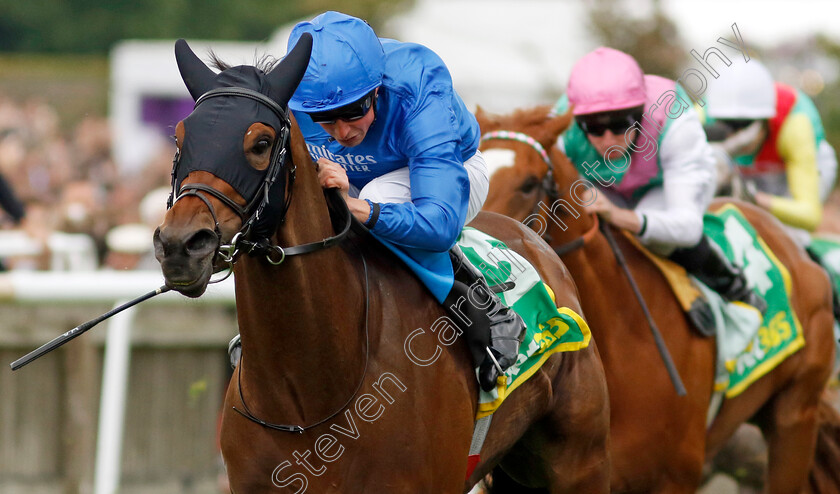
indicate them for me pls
(657, 336)
(80, 329)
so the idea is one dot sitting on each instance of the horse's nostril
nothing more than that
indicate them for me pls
(201, 243)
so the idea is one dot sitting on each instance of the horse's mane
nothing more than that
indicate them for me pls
(263, 62)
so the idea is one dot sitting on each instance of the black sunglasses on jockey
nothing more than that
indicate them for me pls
(617, 122)
(736, 124)
(348, 113)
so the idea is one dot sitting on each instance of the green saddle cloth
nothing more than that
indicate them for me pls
(749, 347)
(549, 329)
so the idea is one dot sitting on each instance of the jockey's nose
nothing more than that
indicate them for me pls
(612, 139)
(343, 129)
(609, 134)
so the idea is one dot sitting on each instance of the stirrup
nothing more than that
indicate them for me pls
(489, 371)
(495, 362)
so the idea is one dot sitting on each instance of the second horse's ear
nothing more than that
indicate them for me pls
(196, 75)
(286, 76)
(485, 122)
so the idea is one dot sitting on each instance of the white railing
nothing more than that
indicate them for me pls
(96, 287)
(68, 251)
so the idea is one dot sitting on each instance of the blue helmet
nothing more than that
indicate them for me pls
(347, 62)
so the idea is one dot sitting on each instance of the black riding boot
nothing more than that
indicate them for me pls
(709, 265)
(493, 331)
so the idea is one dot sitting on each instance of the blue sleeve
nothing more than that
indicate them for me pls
(440, 185)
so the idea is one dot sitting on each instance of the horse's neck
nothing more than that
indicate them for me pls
(303, 322)
(606, 293)
(301, 305)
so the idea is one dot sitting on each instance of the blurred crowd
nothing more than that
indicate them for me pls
(73, 194)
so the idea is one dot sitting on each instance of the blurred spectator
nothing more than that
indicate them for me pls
(130, 245)
(12, 206)
(70, 184)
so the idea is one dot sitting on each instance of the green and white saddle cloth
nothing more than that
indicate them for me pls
(749, 346)
(549, 329)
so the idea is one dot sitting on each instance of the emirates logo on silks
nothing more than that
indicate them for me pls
(351, 162)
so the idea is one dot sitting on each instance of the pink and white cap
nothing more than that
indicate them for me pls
(605, 80)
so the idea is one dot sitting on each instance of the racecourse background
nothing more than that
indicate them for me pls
(56, 148)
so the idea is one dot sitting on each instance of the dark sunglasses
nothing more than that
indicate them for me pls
(737, 124)
(348, 113)
(598, 126)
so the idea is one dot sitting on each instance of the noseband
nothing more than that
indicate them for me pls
(548, 184)
(253, 215)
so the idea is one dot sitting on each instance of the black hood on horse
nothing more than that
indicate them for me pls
(263, 97)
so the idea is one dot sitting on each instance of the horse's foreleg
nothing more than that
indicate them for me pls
(790, 443)
(790, 429)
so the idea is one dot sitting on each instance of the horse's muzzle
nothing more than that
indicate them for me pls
(186, 258)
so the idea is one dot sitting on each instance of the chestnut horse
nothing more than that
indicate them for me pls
(337, 335)
(660, 440)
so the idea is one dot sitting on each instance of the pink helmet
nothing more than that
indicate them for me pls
(605, 80)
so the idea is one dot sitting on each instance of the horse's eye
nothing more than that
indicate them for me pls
(529, 184)
(261, 146)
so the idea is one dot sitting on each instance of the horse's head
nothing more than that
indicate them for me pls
(523, 161)
(232, 175)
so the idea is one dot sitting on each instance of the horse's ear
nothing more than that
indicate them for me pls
(482, 117)
(557, 124)
(197, 76)
(285, 77)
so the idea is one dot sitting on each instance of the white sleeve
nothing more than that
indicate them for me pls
(673, 215)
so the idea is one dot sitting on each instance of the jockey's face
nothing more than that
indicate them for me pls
(350, 133)
(349, 124)
(749, 135)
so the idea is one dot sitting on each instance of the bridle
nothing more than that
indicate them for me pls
(253, 237)
(548, 185)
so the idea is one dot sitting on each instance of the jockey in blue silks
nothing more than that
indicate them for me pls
(386, 127)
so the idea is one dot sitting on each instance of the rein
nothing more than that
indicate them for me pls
(246, 412)
(231, 252)
(667, 360)
(580, 241)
